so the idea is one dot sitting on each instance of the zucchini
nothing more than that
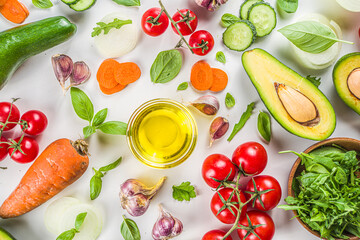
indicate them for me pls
(82, 5)
(19, 43)
(69, 2)
(245, 6)
(4, 235)
(263, 17)
(240, 35)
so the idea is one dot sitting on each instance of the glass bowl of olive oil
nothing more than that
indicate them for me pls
(162, 133)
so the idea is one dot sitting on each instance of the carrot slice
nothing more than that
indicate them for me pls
(220, 80)
(127, 73)
(109, 91)
(2, 2)
(14, 11)
(106, 73)
(201, 76)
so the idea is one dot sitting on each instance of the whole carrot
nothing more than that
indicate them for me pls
(58, 166)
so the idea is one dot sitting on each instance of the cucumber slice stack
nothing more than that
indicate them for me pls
(79, 5)
(258, 20)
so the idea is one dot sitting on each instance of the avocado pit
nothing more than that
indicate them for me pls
(353, 82)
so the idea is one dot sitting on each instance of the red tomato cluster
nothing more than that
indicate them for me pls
(154, 22)
(218, 171)
(22, 149)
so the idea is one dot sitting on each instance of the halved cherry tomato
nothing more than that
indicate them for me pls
(7, 109)
(36, 122)
(215, 235)
(202, 42)
(254, 217)
(219, 167)
(153, 23)
(29, 148)
(3, 148)
(251, 157)
(186, 21)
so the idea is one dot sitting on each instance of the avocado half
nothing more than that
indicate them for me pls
(346, 77)
(4, 235)
(296, 103)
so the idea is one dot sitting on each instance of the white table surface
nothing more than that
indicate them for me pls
(37, 87)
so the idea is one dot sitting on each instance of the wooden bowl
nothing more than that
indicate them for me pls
(347, 143)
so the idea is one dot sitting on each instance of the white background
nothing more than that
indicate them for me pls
(37, 87)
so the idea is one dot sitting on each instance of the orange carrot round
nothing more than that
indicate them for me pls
(58, 166)
(14, 11)
(220, 80)
(106, 73)
(127, 73)
(201, 77)
(2, 2)
(109, 91)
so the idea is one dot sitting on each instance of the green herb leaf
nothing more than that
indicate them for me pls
(244, 117)
(264, 125)
(314, 80)
(67, 235)
(311, 36)
(227, 19)
(113, 127)
(184, 191)
(128, 3)
(129, 230)
(95, 186)
(88, 131)
(81, 103)
(166, 66)
(229, 100)
(111, 166)
(80, 218)
(100, 117)
(220, 56)
(106, 27)
(289, 6)
(42, 3)
(183, 86)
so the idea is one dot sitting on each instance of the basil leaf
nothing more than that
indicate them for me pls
(183, 86)
(42, 3)
(244, 117)
(67, 235)
(81, 103)
(99, 117)
(184, 191)
(229, 100)
(311, 36)
(166, 66)
(264, 125)
(289, 6)
(220, 56)
(129, 229)
(80, 218)
(95, 186)
(227, 19)
(128, 3)
(111, 166)
(113, 127)
(314, 80)
(88, 131)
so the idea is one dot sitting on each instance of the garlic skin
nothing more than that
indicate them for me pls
(63, 67)
(218, 128)
(166, 226)
(210, 5)
(80, 74)
(207, 104)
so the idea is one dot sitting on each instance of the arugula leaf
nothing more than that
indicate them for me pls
(220, 56)
(129, 229)
(113, 127)
(314, 80)
(183, 86)
(229, 100)
(128, 3)
(82, 104)
(244, 117)
(289, 6)
(166, 66)
(184, 191)
(227, 19)
(70, 234)
(264, 125)
(106, 27)
(42, 3)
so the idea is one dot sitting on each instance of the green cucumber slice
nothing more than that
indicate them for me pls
(245, 6)
(263, 17)
(69, 2)
(82, 5)
(240, 35)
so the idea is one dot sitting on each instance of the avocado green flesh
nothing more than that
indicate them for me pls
(4, 235)
(342, 70)
(264, 71)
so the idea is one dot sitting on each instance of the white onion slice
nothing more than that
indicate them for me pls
(351, 5)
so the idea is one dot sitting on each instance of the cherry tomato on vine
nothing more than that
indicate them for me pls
(215, 235)
(3, 148)
(153, 23)
(7, 109)
(226, 216)
(269, 199)
(219, 167)
(251, 157)
(253, 220)
(188, 24)
(202, 42)
(30, 149)
(36, 122)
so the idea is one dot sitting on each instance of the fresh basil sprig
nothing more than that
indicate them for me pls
(311, 36)
(85, 110)
(129, 230)
(185, 191)
(264, 125)
(70, 234)
(229, 100)
(289, 6)
(166, 66)
(220, 56)
(96, 180)
(106, 27)
(227, 19)
(244, 117)
(128, 3)
(183, 86)
(42, 3)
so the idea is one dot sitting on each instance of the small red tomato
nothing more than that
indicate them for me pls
(265, 232)
(36, 122)
(251, 157)
(226, 216)
(219, 167)
(3, 148)
(29, 147)
(202, 42)
(269, 199)
(7, 109)
(215, 235)
(153, 23)
(186, 21)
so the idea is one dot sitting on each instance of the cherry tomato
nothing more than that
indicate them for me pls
(265, 232)
(217, 166)
(152, 25)
(5, 109)
(269, 199)
(188, 18)
(215, 235)
(251, 157)
(30, 148)
(226, 216)
(3, 148)
(202, 42)
(36, 122)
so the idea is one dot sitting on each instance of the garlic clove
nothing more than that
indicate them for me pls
(203, 3)
(218, 128)
(207, 104)
(63, 67)
(81, 73)
(166, 226)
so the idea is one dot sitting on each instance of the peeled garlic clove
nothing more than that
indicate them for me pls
(166, 226)
(81, 73)
(63, 67)
(353, 82)
(207, 104)
(218, 128)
